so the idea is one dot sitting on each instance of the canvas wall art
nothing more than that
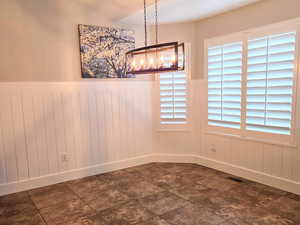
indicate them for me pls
(102, 51)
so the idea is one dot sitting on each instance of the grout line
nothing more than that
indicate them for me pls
(38, 210)
(81, 199)
(136, 172)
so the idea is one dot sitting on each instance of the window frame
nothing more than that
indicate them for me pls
(175, 127)
(244, 36)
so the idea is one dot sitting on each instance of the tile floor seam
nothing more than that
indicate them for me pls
(38, 210)
(175, 200)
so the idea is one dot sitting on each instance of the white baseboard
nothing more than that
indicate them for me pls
(72, 174)
(260, 177)
(278, 182)
(175, 158)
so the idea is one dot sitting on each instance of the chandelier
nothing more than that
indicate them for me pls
(161, 57)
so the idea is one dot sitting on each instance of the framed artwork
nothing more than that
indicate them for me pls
(102, 51)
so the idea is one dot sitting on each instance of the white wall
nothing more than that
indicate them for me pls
(99, 125)
(107, 125)
(39, 38)
(270, 164)
(255, 15)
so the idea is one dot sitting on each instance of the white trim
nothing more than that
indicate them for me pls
(278, 182)
(72, 174)
(184, 130)
(175, 158)
(297, 93)
(296, 86)
(173, 127)
(252, 139)
(244, 36)
(244, 87)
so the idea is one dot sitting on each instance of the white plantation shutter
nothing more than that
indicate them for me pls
(252, 78)
(271, 62)
(224, 85)
(173, 98)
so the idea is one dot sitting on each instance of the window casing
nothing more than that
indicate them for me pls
(173, 97)
(262, 106)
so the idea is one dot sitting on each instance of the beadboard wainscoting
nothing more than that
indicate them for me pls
(51, 132)
(260, 155)
(269, 163)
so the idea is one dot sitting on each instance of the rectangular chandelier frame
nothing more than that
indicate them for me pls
(159, 58)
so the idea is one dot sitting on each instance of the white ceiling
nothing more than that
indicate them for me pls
(174, 11)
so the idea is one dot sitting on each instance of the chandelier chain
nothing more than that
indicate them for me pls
(156, 23)
(145, 23)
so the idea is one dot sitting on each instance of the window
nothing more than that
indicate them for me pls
(270, 83)
(173, 98)
(224, 85)
(251, 83)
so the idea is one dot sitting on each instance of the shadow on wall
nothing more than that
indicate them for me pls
(46, 33)
(53, 14)
(48, 14)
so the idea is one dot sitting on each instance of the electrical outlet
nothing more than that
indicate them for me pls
(213, 149)
(64, 157)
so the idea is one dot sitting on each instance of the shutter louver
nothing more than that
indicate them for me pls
(270, 83)
(224, 85)
(173, 98)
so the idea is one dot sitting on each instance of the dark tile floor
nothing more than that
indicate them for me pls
(153, 194)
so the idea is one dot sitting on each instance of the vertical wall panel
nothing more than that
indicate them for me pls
(68, 116)
(272, 159)
(3, 178)
(295, 164)
(116, 124)
(101, 126)
(77, 130)
(19, 136)
(123, 123)
(275, 160)
(8, 138)
(130, 122)
(30, 135)
(287, 166)
(51, 141)
(60, 129)
(85, 128)
(93, 132)
(88, 123)
(39, 128)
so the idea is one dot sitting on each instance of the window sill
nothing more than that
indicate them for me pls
(235, 136)
(173, 130)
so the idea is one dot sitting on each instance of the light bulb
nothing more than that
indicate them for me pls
(162, 62)
(173, 58)
(151, 62)
(142, 62)
(133, 64)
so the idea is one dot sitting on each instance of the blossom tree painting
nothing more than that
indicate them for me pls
(102, 51)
